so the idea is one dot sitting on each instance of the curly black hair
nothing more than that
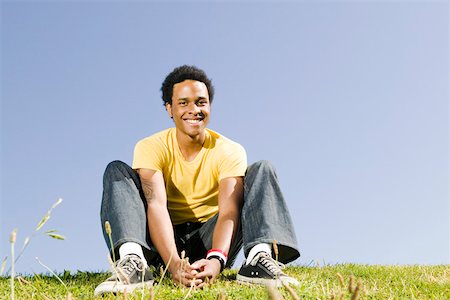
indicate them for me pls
(181, 74)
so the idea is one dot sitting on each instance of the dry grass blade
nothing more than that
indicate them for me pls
(165, 269)
(355, 295)
(38, 227)
(291, 291)
(273, 293)
(43, 221)
(55, 236)
(351, 284)
(190, 290)
(26, 241)
(22, 280)
(341, 279)
(221, 296)
(122, 276)
(142, 281)
(275, 249)
(152, 294)
(46, 298)
(109, 233)
(12, 240)
(58, 202)
(181, 270)
(113, 267)
(47, 215)
(54, 274)
(2, 268)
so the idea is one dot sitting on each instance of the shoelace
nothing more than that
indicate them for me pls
(125, 267)
(272, 265)
(130, 264)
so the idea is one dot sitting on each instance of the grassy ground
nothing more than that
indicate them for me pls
(329, 282)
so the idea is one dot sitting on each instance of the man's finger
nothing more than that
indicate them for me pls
(187, 275)
(199, 264)
(197, 282)
(204, 274)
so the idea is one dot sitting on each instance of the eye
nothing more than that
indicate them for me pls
(182, 103)
(201, 103)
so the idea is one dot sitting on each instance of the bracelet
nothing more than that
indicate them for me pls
(219, 255)
(220, 259)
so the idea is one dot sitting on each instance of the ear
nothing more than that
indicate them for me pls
(169, 109)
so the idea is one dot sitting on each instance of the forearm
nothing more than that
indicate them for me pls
(230, 203)
(225, 231)
(161, 228)
(159, 223)
(161, 232)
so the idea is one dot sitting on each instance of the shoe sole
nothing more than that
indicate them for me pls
(118, 287)
(265, 281)
(261, 281)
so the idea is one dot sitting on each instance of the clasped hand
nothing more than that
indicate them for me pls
(198, 274)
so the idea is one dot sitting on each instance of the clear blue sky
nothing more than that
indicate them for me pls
(350, 101)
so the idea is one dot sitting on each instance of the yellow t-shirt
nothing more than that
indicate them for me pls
(192, 187)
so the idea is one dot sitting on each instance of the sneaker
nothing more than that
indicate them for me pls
(263, 269)
(129, 273)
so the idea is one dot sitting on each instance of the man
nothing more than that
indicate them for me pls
(190, 191)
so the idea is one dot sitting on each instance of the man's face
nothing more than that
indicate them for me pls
(190, 107)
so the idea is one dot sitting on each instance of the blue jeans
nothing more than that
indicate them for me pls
(264, 216)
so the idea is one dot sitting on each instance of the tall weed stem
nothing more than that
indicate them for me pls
(109, 233)
(12, 240)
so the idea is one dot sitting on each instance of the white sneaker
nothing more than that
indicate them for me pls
(129, 273)
(263, 269)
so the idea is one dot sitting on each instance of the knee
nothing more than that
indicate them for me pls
(114, 166)
(114, 170)
(264, 165)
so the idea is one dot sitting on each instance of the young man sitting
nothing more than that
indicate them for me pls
(190, 189)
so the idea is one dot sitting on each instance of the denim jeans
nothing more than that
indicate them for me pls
(264, 216)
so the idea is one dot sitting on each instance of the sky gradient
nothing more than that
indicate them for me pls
(349, 101)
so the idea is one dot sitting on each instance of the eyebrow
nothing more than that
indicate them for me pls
(187, 99)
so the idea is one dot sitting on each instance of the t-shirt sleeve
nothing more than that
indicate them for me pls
(149, 154)
(233, 163)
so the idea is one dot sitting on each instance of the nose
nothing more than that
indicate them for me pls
(194, 108)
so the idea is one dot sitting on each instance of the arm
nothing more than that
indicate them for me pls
(231, 194)
(160, 226)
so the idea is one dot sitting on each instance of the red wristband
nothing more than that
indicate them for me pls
(217, 250)
(219, 254)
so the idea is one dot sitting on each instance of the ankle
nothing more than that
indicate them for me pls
(128, 248)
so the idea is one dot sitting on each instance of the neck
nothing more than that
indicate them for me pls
(190, 146)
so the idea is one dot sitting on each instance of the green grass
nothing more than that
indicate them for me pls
(374, 282)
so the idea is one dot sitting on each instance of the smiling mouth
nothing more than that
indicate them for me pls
(196, 119)
(193, 121)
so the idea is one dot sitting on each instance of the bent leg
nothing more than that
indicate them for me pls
(124, 207)
(265, 216)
